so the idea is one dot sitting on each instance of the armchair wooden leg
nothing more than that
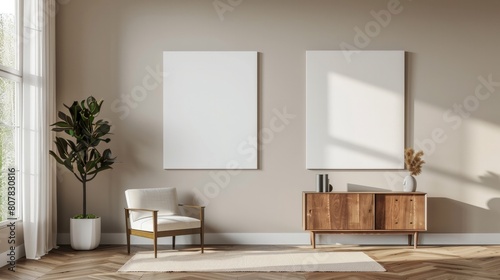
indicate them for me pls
(173, 242)
(202, 242)
(127, 229)
(155, 231)
(128, 242)
(155, 240)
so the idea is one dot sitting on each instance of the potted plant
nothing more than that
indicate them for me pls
(414, 162)
(79, 154)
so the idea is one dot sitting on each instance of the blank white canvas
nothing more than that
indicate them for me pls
(355, 109)
(210, 110)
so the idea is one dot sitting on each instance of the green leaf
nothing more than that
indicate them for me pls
(57, 129)
(90, 165)
(74, 109)
(68, 164)
(101, 168)
(62, 124)
(102, 130)
(93, 106)
(107, 154)
(72, 145)
(62, 147)
(101, 122)
(65, 118)
(81, 169)
(58, 159)
(99, 107)
(88, 216)
(62, 115)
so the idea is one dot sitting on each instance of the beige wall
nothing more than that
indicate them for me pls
(108, 47)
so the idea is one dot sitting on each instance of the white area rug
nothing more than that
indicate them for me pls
(246, 261)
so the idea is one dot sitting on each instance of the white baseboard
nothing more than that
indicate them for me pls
(19, 253)
(460, 238)
(303, 239)
(210, 238)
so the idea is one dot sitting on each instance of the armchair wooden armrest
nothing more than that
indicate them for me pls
(140, 209)
(127, 216)
(191, 206)
(201, 210)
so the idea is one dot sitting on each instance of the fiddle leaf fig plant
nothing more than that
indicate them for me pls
(79, 153)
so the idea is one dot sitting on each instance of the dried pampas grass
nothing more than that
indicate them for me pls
(414, 161)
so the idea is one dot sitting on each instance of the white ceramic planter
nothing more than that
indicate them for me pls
(409, 184)
(85, 234)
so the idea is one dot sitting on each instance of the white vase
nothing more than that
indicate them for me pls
(85, 234)
(409, 184)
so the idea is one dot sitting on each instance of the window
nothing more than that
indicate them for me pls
(10, 94)
(9, 35)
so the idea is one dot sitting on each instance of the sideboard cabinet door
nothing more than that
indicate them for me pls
(339, 211)
(400, 212)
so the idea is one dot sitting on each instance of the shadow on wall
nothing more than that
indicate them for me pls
(451, 216)
(491, 180)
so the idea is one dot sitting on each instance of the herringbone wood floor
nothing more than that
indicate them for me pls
(431, 263)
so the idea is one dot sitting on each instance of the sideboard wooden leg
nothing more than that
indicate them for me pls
(410, 238)
(313, 239)
(415, 240)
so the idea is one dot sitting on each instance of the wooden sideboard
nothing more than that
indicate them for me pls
(365, 212)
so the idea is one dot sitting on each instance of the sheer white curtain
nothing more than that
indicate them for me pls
(38, 170)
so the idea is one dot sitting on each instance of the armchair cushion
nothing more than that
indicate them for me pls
(162, 199)
(166, 223)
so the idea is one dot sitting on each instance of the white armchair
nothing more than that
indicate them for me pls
(154, 213)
